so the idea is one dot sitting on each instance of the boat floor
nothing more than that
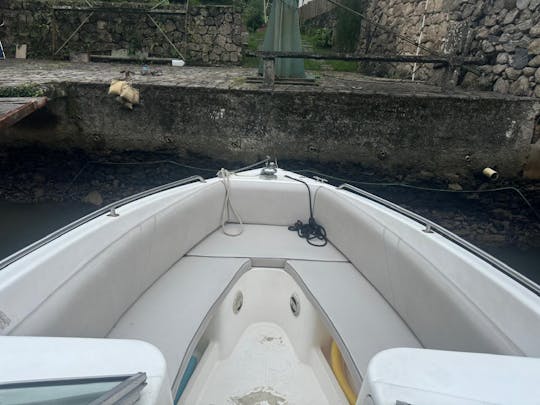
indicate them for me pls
(263, 368)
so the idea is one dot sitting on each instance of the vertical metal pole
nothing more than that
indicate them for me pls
(186, 25)
(415, 66)
(54, 32)
(269, 72)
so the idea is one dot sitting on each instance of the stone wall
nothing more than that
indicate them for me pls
(506, 32)
(202, 34)
(418, 20)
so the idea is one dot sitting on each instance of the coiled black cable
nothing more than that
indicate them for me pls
(312, 231)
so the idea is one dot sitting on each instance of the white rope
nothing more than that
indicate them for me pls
(227, 206)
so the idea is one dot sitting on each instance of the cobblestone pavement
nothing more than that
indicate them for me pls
(18, 72)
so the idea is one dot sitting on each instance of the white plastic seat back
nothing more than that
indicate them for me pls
(97, 293)
(449, 298)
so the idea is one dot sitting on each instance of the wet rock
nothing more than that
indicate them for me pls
(38, 193)
(503, 58)
(488, 47)
(93, 197)
(39, 178)
(510, 17)
(455, 187)
(493, 238)
(501, 213)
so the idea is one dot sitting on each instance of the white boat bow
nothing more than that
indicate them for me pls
(241, 309)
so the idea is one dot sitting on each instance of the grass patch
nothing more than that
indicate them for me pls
(312, 42)
(255, 40)
(24, 90)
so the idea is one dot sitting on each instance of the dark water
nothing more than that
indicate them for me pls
(22, 223)
(500, 223)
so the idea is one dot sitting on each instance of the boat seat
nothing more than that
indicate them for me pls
(266, 246)
(174, 311)
(364, 321)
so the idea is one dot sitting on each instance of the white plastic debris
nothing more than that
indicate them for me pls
(178, 62)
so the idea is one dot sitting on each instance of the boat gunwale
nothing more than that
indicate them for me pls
(430, 227)
(109, 209)
(433, 227)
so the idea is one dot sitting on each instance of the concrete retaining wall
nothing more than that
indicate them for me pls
(411, 134)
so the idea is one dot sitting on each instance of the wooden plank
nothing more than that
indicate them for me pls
(14, 109)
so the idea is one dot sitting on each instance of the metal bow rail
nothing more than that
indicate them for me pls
(432, 227)
(109, 210)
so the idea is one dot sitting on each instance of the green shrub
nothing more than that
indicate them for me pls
(253, 15)
(348, 25)
(24, 90)
(322, 38)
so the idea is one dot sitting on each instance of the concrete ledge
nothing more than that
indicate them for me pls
(387, 125)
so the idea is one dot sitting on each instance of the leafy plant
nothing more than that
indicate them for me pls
(253, 15)
(322, 38)
(24, 90)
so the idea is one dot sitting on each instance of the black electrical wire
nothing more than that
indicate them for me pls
(437, 190)
(312, 232)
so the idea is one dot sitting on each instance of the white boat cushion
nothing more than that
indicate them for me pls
(90, 302)
(395, 257)
(173, 313)
(271, 202)
(267, 246)
(365, 323)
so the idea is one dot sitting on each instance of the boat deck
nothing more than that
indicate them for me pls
(262, 368)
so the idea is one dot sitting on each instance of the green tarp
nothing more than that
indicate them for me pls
(283, 34)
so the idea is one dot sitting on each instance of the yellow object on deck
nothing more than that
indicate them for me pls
(338, 367)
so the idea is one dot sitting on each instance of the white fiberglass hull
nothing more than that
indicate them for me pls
(264, 315)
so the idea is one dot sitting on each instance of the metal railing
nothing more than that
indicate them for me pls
(449, 62)
(109, 210)
(432, 227)
(353, 57)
